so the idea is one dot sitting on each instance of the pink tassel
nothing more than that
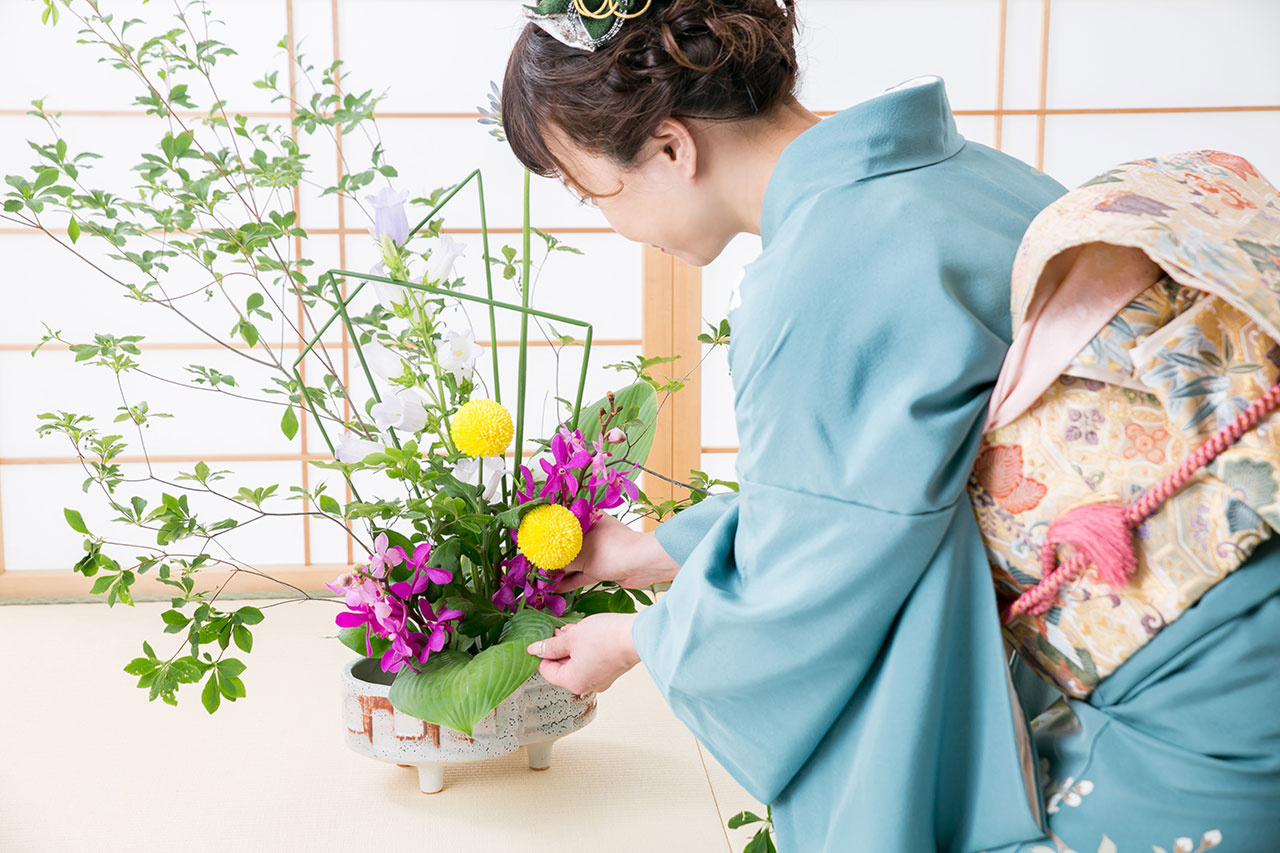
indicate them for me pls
(1103, 533)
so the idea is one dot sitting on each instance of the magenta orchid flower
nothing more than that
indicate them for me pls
(525, 493)
(517, 568)
(538, 593)
(584, 512)
(439, 625)
(616, 483)
(422, 553)
(560, 473)
(576, 442)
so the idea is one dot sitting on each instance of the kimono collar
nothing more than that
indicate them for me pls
(908, 126)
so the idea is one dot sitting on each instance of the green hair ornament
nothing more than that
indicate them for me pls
(585, 24)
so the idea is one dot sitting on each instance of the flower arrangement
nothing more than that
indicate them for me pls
(461, 551)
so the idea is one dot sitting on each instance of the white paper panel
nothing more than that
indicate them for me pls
(1163, 53)
(46, 542)
(855, 49)
(1079, 147)
(78, 81)
(1023, 40)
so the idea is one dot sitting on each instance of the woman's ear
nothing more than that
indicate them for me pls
(673, 140)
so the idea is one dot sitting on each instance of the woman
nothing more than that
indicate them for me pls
(831, 634)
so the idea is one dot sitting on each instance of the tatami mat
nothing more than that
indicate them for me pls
(87, 764)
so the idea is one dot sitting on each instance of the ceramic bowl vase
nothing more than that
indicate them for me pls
(536, 715)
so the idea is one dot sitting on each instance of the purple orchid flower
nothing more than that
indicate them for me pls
(616, 483)
(574, 439)
(525, 494)
(539, 595)
(384, 558)
(584, 512)
(598, 460)
(389, 218)
(439, 625)
(517, 569)
(559, 474)
(422, 553)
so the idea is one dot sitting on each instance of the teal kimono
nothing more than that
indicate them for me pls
(832, 635)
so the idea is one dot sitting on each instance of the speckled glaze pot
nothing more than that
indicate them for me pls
(536, 716)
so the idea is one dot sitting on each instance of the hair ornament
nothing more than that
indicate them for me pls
(585, 24)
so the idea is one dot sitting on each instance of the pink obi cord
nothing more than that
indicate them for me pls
(1102, 533)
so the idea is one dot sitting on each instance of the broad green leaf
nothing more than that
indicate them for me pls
(73, 230)
(243, 638)
(457, 690)
(354, 639)
(644, 400)
(743, 818)
(76, 522)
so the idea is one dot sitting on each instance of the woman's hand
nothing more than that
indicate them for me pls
(588, 656)
(612, 551)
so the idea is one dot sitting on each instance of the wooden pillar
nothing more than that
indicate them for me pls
(672, 322)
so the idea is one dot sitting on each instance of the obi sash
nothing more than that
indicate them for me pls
(1147, 310)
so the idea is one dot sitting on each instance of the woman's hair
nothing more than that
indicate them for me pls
(720, 60)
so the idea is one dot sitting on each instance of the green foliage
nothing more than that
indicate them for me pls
(641, 367)
(718, 336)
(762, 841)
(456, 690)
(211, 192)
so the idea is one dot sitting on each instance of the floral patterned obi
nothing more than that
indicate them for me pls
(1176, 364)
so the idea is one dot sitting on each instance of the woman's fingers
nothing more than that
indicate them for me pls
(552, 648)
(574, 580)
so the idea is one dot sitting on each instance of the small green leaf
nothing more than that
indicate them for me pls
(761, 843)
(249, 615)
(289, 423)
(212, 695)
(76, 522)
(243, 638)
(230, 668)
(46, 177)
(73, 230)
(744, 818)
(330, 505)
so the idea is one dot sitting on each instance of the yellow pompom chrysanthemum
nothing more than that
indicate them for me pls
(550, 536)
(482, 428)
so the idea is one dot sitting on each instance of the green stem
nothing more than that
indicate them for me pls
(524, 328)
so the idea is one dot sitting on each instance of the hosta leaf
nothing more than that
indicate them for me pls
(644, 400)
(457, 690)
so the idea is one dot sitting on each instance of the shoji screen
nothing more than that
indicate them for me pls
(435, 60)
(1071, 86)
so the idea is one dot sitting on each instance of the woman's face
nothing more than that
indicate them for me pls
(663, 200)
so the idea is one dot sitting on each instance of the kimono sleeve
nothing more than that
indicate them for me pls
(775, 620)
(681, 533)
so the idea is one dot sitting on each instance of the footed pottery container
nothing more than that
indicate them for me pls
(536, 716)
